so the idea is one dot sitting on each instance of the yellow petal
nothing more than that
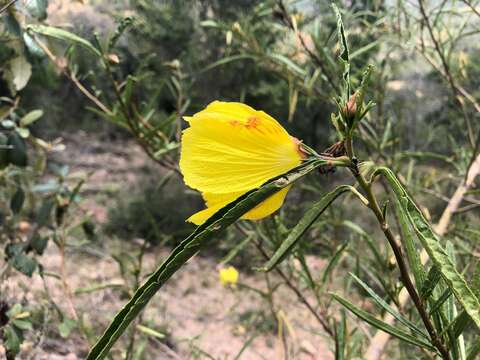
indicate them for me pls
(268, 207)
(217, 201)
(232, 148)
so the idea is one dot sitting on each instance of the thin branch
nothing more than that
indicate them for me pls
(446, 69)
(472, 7)
(6, 6)
(287, 19)
(64, 70)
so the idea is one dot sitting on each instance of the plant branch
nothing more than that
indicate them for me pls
(397, 251)
(446, 70)
(7, 5)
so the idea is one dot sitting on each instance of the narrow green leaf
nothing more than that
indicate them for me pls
(22, 324)
(226, 60)
(440, 301)
(200, 238)
(455, 281)
(373, 246)
(383, 304)
(62, 34)
(303, 225)
(31, 117)
(344, 52)
(378, 324)
(460, 323)
(412, 253)
(288, 63)
(340, 338)
(12, 340)
(334, 261)
(365, 48)
(151, 332)
(474, 351)
(433, 277)
(16, 203)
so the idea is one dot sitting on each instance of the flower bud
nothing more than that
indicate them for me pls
(350, 110)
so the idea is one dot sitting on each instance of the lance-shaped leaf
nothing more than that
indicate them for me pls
(372, 320)
(412, 254)
(65, 35)
(344, 52)
(437, 253)
(303, 225)
(383, 304)
(334, 261)
(433, 278)
(189, 247)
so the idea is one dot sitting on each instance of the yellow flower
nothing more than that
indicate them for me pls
(230, 149)
(228, 276)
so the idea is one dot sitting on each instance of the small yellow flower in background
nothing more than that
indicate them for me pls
(230, 149)
(228, 276)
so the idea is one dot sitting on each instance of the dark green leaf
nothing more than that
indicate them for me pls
(39, 243)
(437, 253)
(16, 203)
(25, 264)
(65, 35)
(334, 261)
(378, 324)
(303, 225)
(433, 277)
(45, 211)
(3, 150)
(383, 304)
(17, 153)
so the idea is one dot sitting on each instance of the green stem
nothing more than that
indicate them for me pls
(402, 266)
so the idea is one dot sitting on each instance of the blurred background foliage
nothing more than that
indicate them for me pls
(119, 88)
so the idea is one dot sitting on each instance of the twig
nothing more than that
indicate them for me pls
(446, 70)
(72, 77)
(473, 8)
(4, 8)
